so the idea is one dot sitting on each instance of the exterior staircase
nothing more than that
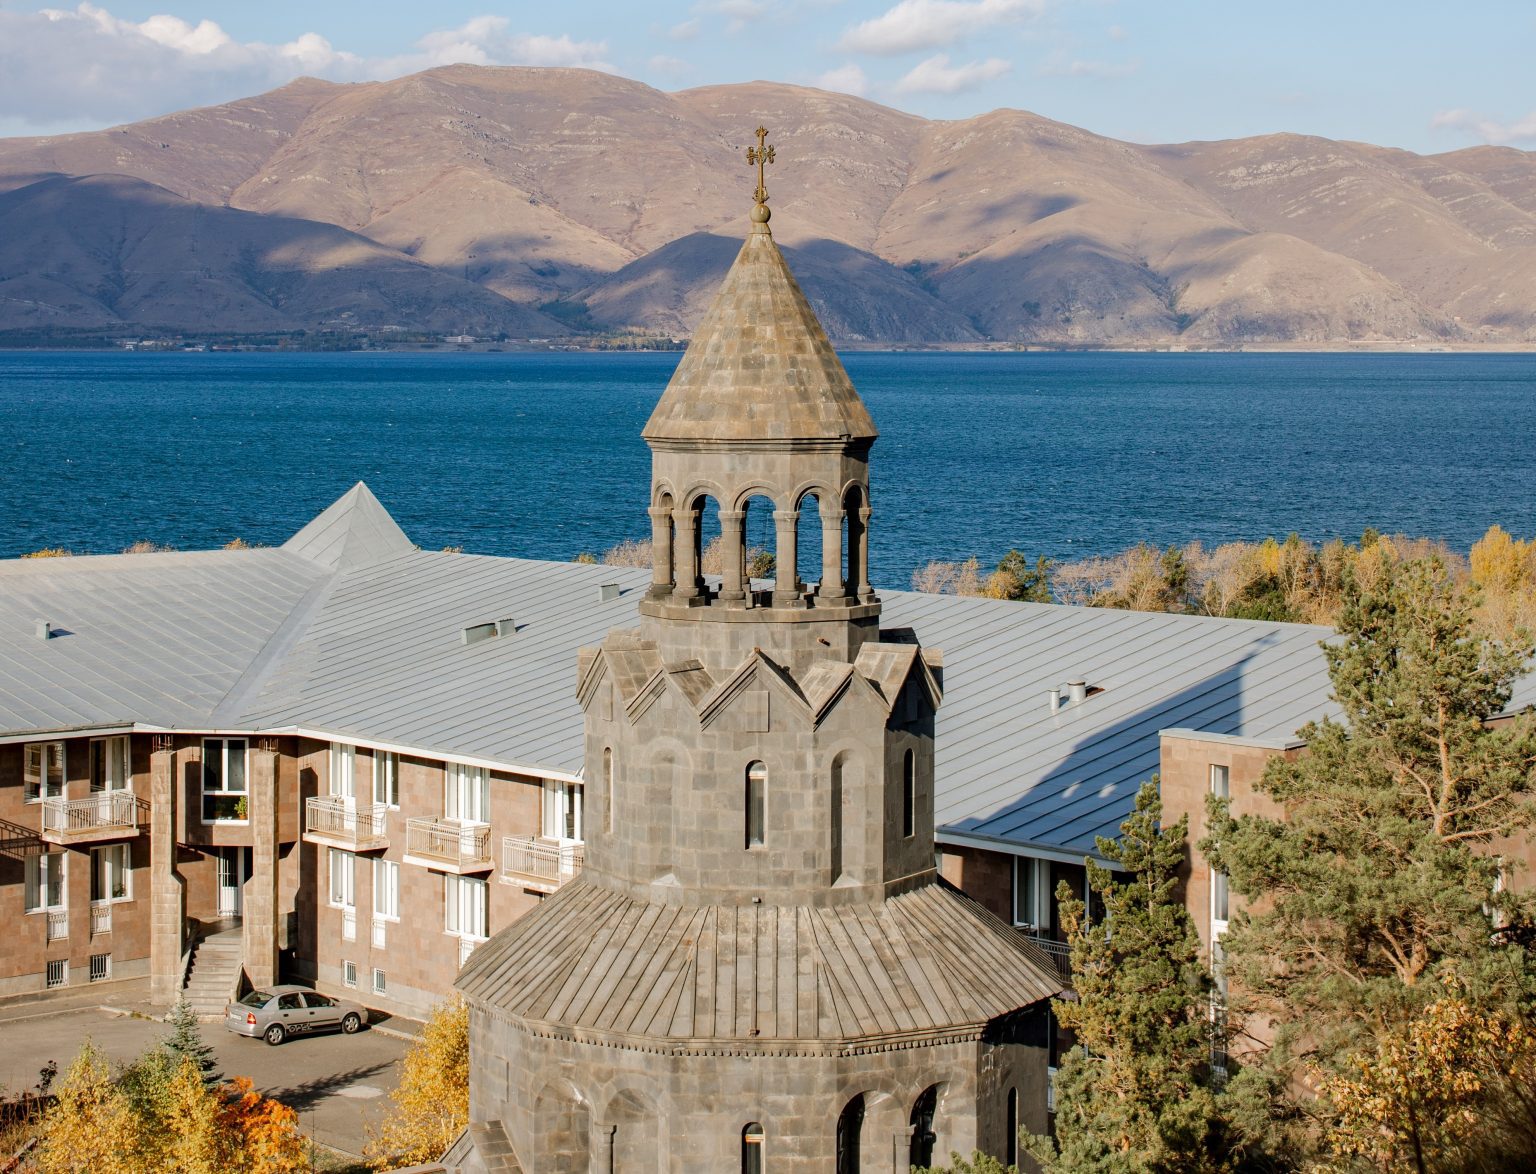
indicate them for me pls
(214, 975)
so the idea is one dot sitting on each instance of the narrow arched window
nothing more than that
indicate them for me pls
(752, 1149)
(908, 793)
(610, 800)
(849, 1125)
(1011, 1144)
(836, 814)
(924, 1110)
(757, 783)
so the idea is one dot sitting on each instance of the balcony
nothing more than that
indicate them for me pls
(334, 822)
(1059, 953)
(101, 917)
(106, 815)
(58, 925)
(543, 865)
(448, 845)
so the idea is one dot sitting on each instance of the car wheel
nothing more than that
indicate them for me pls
(275, 1034)
(350, 1022)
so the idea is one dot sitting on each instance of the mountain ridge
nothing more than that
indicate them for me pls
(607, 201)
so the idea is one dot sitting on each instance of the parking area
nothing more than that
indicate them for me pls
(338, 1084)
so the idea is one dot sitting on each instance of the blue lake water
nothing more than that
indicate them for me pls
(540, 456)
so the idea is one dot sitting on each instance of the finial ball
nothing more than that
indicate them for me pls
(761, 213)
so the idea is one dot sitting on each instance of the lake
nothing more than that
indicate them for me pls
(540, 455)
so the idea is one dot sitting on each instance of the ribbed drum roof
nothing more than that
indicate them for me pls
(929, 961)
(760, 367)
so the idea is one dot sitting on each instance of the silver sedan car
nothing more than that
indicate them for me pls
(274, 1013)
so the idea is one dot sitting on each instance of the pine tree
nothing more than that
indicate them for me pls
(1136, 1094)
(185, 1041)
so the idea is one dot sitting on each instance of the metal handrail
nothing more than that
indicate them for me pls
(451, 840)
(105, 809)
(548, 860)
(1060, 954)
(337, 816)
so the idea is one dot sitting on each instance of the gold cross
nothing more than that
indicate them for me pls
(760, 155)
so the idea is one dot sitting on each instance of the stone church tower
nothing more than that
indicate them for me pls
(759, 969)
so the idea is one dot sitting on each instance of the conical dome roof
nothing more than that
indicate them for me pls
(760, 367)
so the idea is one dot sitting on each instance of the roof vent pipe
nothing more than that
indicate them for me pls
(44, 630)
(1055, 699)
(608, 592)
(1077, 691)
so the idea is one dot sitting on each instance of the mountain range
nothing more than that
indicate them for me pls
(533, 202)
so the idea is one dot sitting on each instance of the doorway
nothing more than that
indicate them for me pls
(232, 869)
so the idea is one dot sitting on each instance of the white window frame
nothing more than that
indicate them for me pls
(386, 885)
(380, 982)
(1032, 894)
(466, 907)
(562, 814)
(1221, 788)
(342, 780)
(221, 747)
(111, 863)
(40, 762)
(348, 973)
(386, 779)
(467, 793)
(342, 874)
(113, 752)
(44, 872)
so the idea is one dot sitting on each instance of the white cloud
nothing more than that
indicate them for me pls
(1521, 130)
(1060, 65)
(673, 66)
(684, 31)
(85, 66)
(1117, 32)
(915, 25)
(845, 79)
(937, 76)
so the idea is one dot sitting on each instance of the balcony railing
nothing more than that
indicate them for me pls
(58, 924)
(1060, 954)
(448, 845)
(467, 947)
(339, 823)
(106, 815)
(101, 917)
(538, 863)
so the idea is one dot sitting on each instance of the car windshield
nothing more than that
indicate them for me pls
(257, 999)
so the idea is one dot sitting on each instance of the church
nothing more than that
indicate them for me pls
(759, 967)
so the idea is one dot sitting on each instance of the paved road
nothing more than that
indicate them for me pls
(336, 1083)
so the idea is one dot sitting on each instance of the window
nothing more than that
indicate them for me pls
(44, 876)
(43, 770)
(348, 977)
(343, 780)
(1031, 894)
(1011, 1141)
(342, 868)
(924, 1109)
(1221, 788)
(908, 793)
(380, 985)
(850, 1124)
(610, 799)
(386, 889)
(101, 967)
(109, 764)
(464, 907)
(467, 793)
(386, 778)
(110, 873)
(752, 1149)
(757, 783)
(562, 810)
(224, 787)
(58, 972)
(1221, 782)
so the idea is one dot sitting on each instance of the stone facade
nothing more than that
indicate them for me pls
(759, 967)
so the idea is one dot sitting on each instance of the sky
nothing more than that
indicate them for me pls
(1420, 74)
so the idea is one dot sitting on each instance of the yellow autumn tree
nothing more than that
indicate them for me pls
(430, 1107)
(1436, 1095)
(91, 1126)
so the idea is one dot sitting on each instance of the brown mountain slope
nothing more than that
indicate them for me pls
(544, 184)
(102, 251)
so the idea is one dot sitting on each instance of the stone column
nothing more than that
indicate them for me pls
(661, 552)
(861, 588)
(260, 900)
(733, 586)
(786, 556)
(685, 560)
(832, 588)
(167, 890)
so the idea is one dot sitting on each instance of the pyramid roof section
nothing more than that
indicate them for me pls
(760, 369)
(354, 531)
